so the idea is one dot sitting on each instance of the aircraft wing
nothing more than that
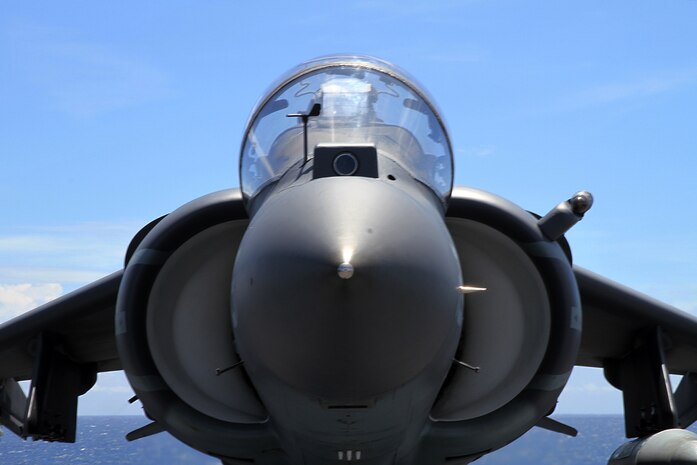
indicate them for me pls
(82, 323)
(60, 346)
(79, 325)
(614, 316)
(638, 341)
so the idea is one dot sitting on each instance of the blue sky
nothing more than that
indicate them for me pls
(112, 114)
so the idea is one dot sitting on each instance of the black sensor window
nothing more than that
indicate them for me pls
(345, 164)
(345, 160)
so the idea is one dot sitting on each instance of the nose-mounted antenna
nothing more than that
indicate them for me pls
(314, 111)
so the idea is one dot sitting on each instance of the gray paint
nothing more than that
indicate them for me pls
(189, 327)
(613, 314)
(300, 320)
(347, 364)
(194, 237)
(506, 328)
(353, 365)
(148, 257)
(669, 447)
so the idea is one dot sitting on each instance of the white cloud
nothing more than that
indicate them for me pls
(640, 87)
(12, 243)
(459, 54)
(40, 263)
(75, 254)
(47, 275)
(16, 299)
(69, 238)
(477, 152)
(124, 389)
(399, 8)
(448, 54)
(589, 392)
(591, 388)
(84, 78)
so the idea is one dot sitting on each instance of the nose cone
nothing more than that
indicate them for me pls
(299, 315)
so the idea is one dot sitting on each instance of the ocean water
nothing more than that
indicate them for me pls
(101, 442)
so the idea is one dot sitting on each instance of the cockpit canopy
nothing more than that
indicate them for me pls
(363, 101)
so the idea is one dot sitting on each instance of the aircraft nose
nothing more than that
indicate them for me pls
(345, 288)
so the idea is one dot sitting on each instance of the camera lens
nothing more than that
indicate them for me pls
(345, 164)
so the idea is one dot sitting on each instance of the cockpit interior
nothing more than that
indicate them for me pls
(353, 104)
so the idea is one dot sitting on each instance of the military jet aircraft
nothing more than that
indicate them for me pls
(347, 304)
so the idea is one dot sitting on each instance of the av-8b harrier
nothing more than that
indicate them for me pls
(346, 304)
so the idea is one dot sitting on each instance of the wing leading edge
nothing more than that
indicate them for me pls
(83, 320)
(60, 346)
(639, 341)
(614, 316)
